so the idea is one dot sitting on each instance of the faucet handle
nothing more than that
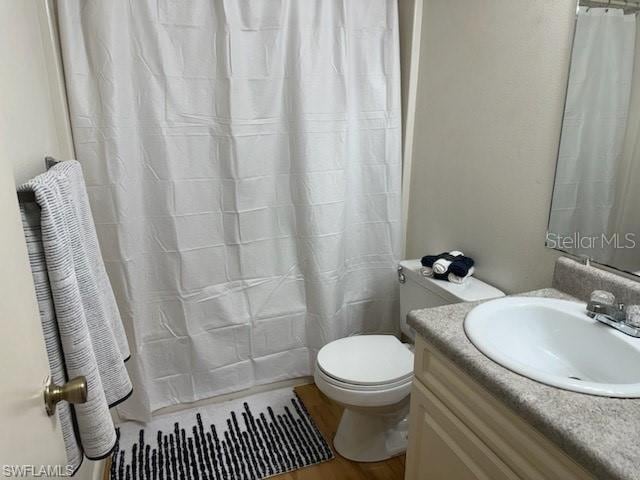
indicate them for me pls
(603, 297)
(633, 315)
(585, 260)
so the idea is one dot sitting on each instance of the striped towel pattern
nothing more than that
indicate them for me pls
(30, 213)
(82, 326)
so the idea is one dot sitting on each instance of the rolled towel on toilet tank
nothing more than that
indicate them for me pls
(458, 279)
(441, 266)
(461, 266)
(429, 260)
(426, 271)
(427, 263)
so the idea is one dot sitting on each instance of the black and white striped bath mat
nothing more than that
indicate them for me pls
(251, 438)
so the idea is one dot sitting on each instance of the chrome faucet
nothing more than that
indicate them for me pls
(614, 315)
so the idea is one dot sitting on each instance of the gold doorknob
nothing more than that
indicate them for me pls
(74, 391)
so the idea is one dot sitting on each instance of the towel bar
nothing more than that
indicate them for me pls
(29, 197)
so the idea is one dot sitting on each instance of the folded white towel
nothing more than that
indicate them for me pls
(426, 271)
(84, 333)
(460, 280)
(441, 265)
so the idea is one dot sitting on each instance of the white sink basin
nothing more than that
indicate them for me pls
(556, 343)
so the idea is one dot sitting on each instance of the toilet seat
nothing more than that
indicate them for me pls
(367, 361)
(362, 396)
(362, 388)
(365, 370)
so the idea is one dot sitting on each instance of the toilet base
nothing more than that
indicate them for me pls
(369, 436)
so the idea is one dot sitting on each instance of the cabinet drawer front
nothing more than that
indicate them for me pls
(442, 447)
(525, 450)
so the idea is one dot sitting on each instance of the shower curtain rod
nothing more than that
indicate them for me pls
(626, 5)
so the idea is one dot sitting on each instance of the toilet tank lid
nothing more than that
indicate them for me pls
(472, 290)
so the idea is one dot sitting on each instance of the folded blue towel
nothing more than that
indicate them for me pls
(460, 266)
(429, 260)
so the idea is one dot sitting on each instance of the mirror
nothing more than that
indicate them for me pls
(595, 209)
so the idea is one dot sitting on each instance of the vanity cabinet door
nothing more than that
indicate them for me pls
(525, 451)
(442, 447)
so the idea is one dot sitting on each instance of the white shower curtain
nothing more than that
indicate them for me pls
(594, 124)
(243, 163)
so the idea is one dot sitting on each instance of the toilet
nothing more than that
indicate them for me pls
(371, 375)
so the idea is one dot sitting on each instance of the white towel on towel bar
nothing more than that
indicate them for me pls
(30, 213)
(92, 340)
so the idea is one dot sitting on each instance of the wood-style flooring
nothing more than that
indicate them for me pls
(326, 414)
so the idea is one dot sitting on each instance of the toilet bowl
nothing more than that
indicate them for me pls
(371, 375)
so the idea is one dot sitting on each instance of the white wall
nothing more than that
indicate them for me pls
(410, 23)
(489, 106)
(33, 112)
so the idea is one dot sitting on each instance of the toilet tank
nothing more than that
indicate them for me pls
(417, 292)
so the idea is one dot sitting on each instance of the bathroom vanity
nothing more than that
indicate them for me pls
(460, 430)
(472, 418)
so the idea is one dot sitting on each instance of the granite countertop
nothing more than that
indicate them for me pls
(602, 434)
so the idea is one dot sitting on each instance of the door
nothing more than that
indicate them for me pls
(29, 437)
(33, 123)
(442, 447)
